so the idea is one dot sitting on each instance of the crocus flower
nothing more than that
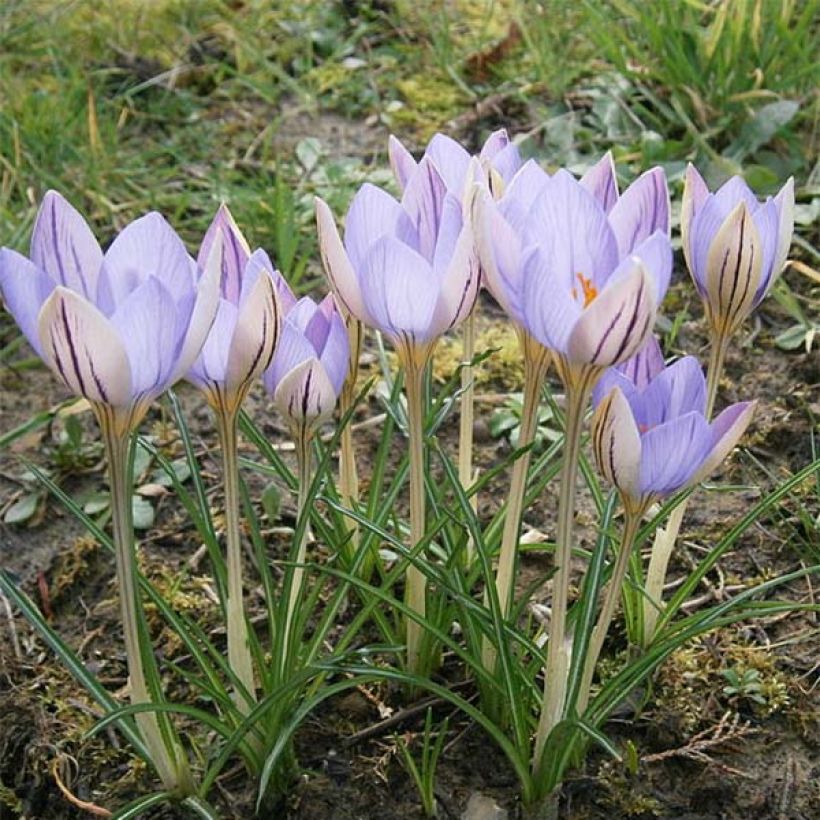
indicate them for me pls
(406, 268)
(498, 159)
(311, 360)
(246, 328)
(562, 257)
(118, 328)
(735, 246)
(650, 434)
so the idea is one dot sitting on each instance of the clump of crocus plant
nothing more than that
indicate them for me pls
(409, 270)
(304, 380)
(117, 329)
(238, 348)
(584, 282)
(651, 439)
(735, 248)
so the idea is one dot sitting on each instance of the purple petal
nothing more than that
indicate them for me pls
(642, 209)
(645, 364)
(601, 181)
(401, 161)
(784, 202)
(459, 285)
(146, 321)
(495, 144)
(400, 290)
(733, 191)
(549, 311)
(24, 288)
(210, 366)
(82, 347)
(695, 193)
(423, 201)
(235, 253)
(612, 378)
(767, 221)
(725, 432)
(451, 161)
(677, 390)
(293, 349)
(521, 193)
(335, 357)
(63, 246)
(147, 247)
(450, 229)
(672, 453)
(373, 213)
(573, 231)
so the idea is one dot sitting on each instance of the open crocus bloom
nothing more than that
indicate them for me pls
(243, 336)
(583, 281)
(311, 360)
(117, 328)
(650, 433)
(735, 246)
(406, 268)
(498, 159)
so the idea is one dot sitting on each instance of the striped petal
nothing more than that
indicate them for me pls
(733, 267)
(255, 335)
(235, 253)
(423, 201)
(616, 323)
(63, 246)
(305, 394)
(617, 444)
(83, 349)
(459, 286)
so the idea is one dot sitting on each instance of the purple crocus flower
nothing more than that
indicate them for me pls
(584, 281)
(117, 328)
(311, 360)
(243, 336)
(735, 246)
(406, 268)
(498, 159)
(650, 434)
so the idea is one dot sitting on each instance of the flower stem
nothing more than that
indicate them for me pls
(611, 596)
(348, 475)
(166, 753)
(578, 390)
(536, 364)
(239, 652)
(465, 432)
(303, 437)
(666, 537)
(415, 583)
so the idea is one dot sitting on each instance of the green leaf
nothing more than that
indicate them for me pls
(180, 468)
(23, 509)
(271, 502)
(96, 503)
(792, 338)
(143, 512)
(757, 131)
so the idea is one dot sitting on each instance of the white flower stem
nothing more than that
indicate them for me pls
(239, 652)
(303, 437)
(665, 537)
(536, 364)
(163, 746)
(465, 432)
(415, 581)
(612, 595)
(555, 674)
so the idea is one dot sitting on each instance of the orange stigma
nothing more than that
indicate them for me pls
(587, 288)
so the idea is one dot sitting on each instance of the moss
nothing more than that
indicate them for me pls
(72, 564)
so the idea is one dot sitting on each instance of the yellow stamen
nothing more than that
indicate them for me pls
(587, 288)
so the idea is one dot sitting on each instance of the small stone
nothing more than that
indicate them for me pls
(481, 807)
